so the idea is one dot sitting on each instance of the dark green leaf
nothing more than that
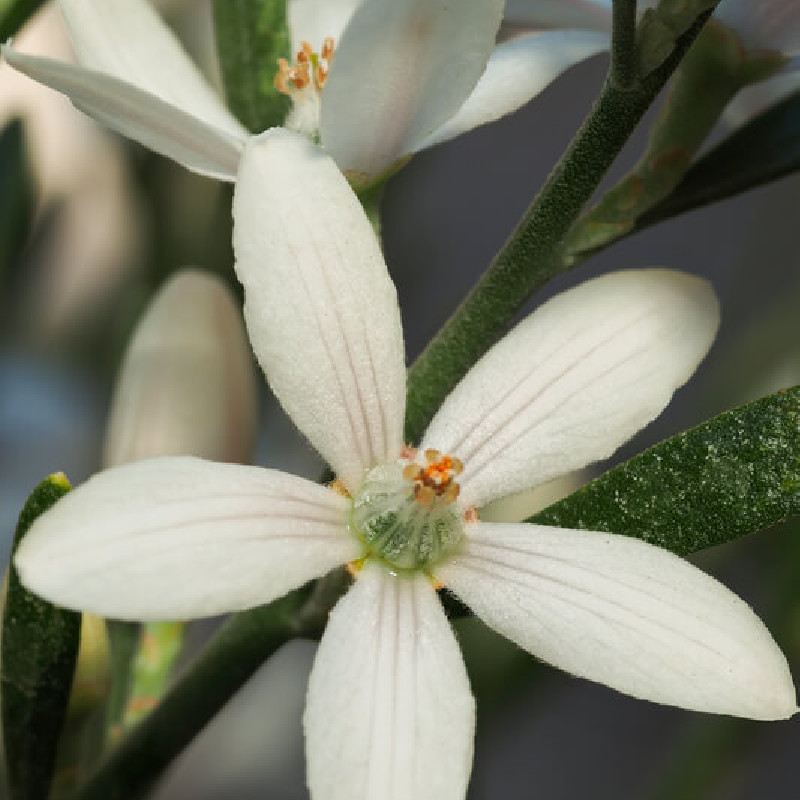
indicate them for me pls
(251, 36)
(39, 649)
(763, 150)
(16, 195)
(733, 475)
(14, 14)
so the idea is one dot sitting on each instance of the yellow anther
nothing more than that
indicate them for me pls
(432, 456)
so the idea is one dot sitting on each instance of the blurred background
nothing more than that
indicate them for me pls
(91, 226)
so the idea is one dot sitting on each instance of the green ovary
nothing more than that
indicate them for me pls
(397, 528)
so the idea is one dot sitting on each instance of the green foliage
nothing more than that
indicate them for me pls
(14, 14)
(533, 254)
(240, 647)
(714, 70)
(662, 27)
(733, 475)
(39, 649)
(763, 150)
(160, 646)
(251, 36)
(16, 195)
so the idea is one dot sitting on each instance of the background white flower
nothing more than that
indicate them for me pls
(405, 74)
(183, 537)
(186, 383)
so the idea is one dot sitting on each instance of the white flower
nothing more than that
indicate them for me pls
(763, 26)
(398, 76)
(389, 711)
(186, 385)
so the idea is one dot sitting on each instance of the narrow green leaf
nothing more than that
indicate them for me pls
(124, 642)
(763, 150)
(160, 646)
(715, 69)
(14, 14)
(251, 36)
(736, 474)
(16, 195)
(39, 649)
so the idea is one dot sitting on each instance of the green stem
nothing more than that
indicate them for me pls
(623, 44)
(531, 257)
(238, 650)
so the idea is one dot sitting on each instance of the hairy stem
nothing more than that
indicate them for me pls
(532, 254)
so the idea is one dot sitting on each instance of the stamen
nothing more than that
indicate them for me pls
(412, 471)
(434, 482)
(309, 71)
(339, 487)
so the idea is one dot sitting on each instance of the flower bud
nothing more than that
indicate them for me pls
(186, 385)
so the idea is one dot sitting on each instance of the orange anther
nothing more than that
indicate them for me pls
(411, 472)
(327, 48)
(305, 53)
(424, 495)
(432, 455)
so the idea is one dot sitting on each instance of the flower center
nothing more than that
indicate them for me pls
(303, 81)
(405, 512)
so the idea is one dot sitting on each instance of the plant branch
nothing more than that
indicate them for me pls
(245, 641)
(531, 256)
(623, 44)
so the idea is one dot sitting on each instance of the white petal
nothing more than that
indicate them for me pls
(517, 71)
(624, 613)
(313, 21)
(320, 307)
(591, 14)
(764, 25)
(402, 70)
(186, 385)
(176, 538)
(575, 380)
(127, 40)
(389, 714)
(759, 97)
(138, 115)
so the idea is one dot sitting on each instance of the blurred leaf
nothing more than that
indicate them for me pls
(763, 150)
(39, 650)
(160, 645)
(124, 640)
(16, 194)
(14, 14)
(251, 36)
(733, 475)
(662, 26)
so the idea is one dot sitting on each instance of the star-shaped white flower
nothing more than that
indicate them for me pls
(398, 76)
(389, 712)
(763, 26)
